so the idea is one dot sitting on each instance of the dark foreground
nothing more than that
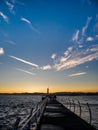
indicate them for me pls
(58, 117)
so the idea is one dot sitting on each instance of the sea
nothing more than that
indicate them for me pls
(13, 106)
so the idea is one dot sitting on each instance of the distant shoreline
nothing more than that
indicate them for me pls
(57, 93)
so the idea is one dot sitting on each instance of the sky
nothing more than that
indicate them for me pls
(48, 43)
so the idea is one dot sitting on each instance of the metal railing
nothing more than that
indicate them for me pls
(36, 113)
(33, 119)
(71, 104)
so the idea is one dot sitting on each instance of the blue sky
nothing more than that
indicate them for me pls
(48, 43)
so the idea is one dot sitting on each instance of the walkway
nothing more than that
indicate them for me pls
(58, 117)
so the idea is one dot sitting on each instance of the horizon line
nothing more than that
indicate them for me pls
(46, 92)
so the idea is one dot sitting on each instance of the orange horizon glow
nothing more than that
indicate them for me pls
(31, 87)
(44, 90)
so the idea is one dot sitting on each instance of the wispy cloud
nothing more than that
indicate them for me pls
(1, 51)
(25, 71)
(47, 67)
(77, 74)
(24, 61)
(81, 37)
(76, 57)
(76, 35)
(53, 56)
(86, 26)
(96, 28)
(19, 2)
(26, 20)
(86, 67)
(30, 24)
(5, 18)
(10, 42)
(10, 6)
(89, 39)
(77, 54)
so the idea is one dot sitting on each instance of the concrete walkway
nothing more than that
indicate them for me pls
(58, 117)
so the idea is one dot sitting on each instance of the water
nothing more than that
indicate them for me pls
(13, 106)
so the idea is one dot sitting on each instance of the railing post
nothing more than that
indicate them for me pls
(34, 117)
(73, 105)
(29, 123)
(17, 123)
(79, 107)
(90, 113)
(69, 103)
(65, 102)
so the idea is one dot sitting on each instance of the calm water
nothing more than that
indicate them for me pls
(13, 106)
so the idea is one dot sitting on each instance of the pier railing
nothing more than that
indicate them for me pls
(36, 113)
(78, 107)
(33, 119)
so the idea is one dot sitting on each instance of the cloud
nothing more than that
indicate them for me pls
(76, 35)
(24, 61)
(10, 42)
(70, 49)
(53, 56)
(81, 37)
(76, 54)
(86, 67)
(25, 71)
(73, 62)
(95, 28)
(26, 20)
(89, 39)
(94, 48)
(76, 57)
(10, 6)
(77, 74)
(5, 18)
(1, 51)
(30, 24)
(86, 26)
(47, 67)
